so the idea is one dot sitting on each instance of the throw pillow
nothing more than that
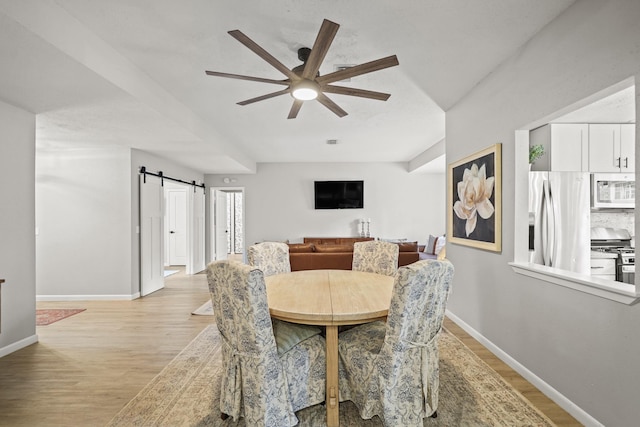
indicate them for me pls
(288, 335)
(440, 242)
(430, 248)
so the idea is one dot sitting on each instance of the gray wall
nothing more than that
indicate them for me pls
(87, 217)
(83, 205)
(17, 225)
(583, 346)
(279, 201)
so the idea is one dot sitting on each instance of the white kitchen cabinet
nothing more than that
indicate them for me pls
(603, 268)
(612, 147)
(628, 147)
(566, 147)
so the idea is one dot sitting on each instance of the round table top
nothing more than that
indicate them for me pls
(329, 297)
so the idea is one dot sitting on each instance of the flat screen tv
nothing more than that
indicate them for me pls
(339, 194)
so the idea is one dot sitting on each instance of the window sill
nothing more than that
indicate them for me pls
(615, 291)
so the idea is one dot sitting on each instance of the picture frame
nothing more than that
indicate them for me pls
(476, 220)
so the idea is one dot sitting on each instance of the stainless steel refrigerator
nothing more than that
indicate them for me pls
(560, 220)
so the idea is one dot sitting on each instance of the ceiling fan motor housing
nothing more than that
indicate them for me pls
(303, 54)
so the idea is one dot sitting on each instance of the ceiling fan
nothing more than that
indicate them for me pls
(304, 82)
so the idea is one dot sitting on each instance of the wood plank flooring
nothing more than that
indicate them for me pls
(86, 367)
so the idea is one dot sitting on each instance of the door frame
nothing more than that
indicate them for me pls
(212, 219)
(181, 188)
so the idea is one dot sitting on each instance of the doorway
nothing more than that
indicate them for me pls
(175, 229)
(227, 219)
(167, 205)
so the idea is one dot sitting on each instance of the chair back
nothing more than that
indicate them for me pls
(253, 382)
(415, 319)
(270, 257)
(375, 256)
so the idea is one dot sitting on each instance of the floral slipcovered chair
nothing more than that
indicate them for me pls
(391, 369)
(375, 256)
(270, 257)
(261, 382)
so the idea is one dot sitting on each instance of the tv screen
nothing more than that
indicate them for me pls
(339, 194)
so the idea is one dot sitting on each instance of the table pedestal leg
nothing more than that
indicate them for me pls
(332, 402)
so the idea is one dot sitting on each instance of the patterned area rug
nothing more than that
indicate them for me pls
(48, 316)
(187, 392)
(205, 309)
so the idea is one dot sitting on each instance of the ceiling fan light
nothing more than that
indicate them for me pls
(305, 90)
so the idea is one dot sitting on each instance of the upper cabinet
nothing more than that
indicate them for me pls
(566, 147)
(612, 147)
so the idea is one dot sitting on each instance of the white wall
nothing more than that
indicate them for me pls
(17, 223)
(279, 201)
(584, 347)
(83, 205)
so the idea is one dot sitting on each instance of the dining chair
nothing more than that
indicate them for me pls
(375, 256)
(270, 257)
(391, 369)
(261, 382)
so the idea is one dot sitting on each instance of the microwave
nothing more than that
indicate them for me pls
(613, 191)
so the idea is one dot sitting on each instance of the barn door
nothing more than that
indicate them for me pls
(151, 234)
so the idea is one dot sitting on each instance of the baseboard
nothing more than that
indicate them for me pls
(553, 394)
(87, 297)
(18, 345)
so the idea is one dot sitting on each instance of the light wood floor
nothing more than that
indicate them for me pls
(85, 368)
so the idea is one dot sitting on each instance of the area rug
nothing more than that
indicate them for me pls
(205, 309)
(168, 273)
(187, 392)
(48, 316)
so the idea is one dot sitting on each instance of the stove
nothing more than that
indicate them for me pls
(616, 241)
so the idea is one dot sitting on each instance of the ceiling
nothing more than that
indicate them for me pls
(619, 107)
(131, 72)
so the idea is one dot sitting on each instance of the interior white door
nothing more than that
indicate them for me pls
(196, 259)
(177, 218)
(220, 224)
(151, 234)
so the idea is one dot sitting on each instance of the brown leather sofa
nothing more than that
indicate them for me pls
(318, 253)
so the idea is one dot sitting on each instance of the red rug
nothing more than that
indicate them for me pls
(48, 316)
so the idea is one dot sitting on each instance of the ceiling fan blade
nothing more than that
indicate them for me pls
(341, 90)
(253, 79)
(238, 35)
(263, 97)
(368, 67)
(295, 108)
(320, 47)
(324, 100)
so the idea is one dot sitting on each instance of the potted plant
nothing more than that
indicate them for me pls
(535, 152)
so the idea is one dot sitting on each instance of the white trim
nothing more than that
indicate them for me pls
(553, 394)
(18, 345)
(87, 297)
(615, 291)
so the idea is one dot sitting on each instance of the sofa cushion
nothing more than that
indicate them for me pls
(334, 248)
(408, 246)
(301, 247)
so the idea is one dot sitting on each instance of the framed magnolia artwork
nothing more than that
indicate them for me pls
(474, 200)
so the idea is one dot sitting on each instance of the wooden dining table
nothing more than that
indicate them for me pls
(329, 298)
